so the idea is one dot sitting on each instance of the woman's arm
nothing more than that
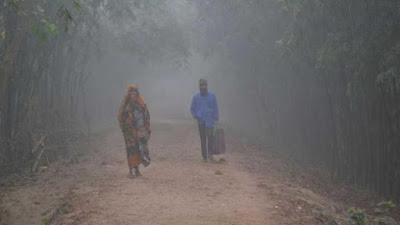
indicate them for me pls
(147, 119)
(121, 113)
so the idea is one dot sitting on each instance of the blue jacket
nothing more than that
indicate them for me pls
(205, 108)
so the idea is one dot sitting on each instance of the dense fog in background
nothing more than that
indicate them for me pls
(316, 80)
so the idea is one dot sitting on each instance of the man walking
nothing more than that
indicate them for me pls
(204, 109)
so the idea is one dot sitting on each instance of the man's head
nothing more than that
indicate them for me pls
(203, 86)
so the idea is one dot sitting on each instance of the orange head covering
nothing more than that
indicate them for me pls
(138, 99)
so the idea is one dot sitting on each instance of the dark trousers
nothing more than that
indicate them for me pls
(207, 140)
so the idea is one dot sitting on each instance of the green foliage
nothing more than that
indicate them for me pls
(44, 29)
(389, 80)
(382, 211)
(382, 221)
(386, 206)
(39, 9)
(67, 16)
(380, 216)
(12, 3)
(77, 5)
(41, 26)
(289, 5)
(45, 221)
(334, 52)
(357, 216)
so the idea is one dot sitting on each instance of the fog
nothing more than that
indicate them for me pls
(168, 83)
(315, 80)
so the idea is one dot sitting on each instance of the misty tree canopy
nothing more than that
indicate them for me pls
(316, 79)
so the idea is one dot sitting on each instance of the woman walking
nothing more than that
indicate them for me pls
(134, 120)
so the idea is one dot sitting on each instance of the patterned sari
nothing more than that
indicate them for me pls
(134, 120)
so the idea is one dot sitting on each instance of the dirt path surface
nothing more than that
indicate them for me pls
(177, 188)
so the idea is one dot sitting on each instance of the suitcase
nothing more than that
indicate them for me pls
(219, 142)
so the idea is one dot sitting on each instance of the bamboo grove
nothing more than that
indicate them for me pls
(350, 51)
(46, 48)
(41, 79)
(316, 79)
(324, 79)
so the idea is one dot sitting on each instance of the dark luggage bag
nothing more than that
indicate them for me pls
(219, 142)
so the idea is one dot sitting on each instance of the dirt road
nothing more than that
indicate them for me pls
(177, 188)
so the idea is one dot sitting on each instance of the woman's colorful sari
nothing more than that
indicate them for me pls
(134, 120)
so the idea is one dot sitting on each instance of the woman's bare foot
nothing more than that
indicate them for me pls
(137, 172)
(131, 176)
